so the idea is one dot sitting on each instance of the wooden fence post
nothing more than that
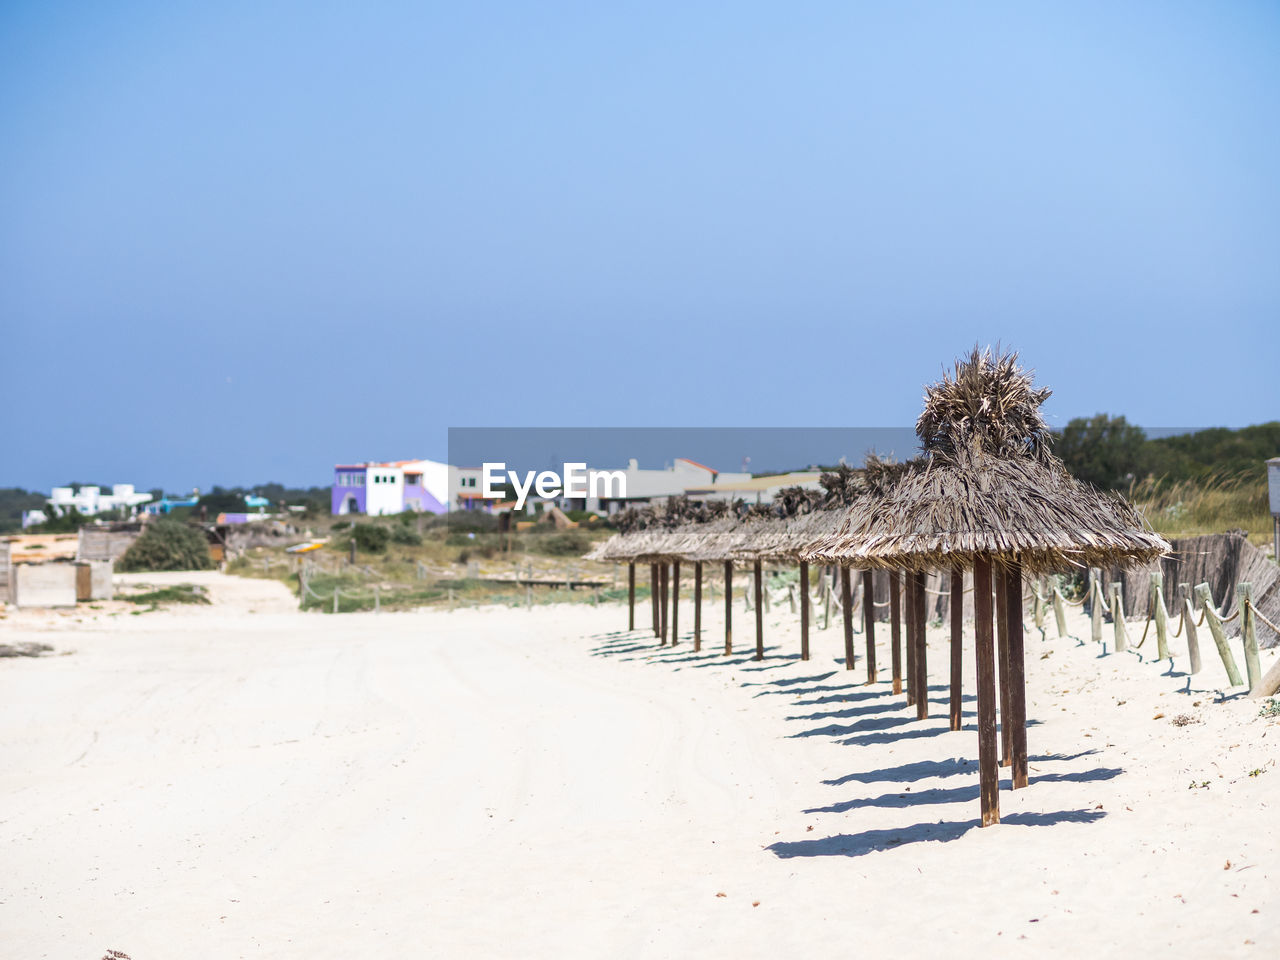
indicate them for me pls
(1162, 616)
(1193, 641)
(1117, 618)
(1059, 611)
(1095, 604)
(1249, 633)
(1219, 638)
(335, 599)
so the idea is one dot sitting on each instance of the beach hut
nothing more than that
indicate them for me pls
(989, 496)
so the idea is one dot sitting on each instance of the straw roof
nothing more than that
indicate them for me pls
(988, 485)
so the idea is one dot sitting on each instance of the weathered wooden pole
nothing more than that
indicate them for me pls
(1095, 604)
(1059, 612)
(654, 596)
(909, 629)
(697, 606)
(1017, 718)
(1002, 659)
(828, 583)
(922, 647)
(728, 607)
(957, 646)
(895, 630)
(804, 610)
(1249, 633)
(869, 622)
(1117, 618)
(664, 582)
(1219, 638)
(675, 602)
(985, 664)
(756, 571)
(1193, 641)
(631, 595)
(1162, 615)
(846, 602)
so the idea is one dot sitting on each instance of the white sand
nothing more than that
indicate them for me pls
(214, 782)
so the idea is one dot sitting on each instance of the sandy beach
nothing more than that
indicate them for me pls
(243, 780)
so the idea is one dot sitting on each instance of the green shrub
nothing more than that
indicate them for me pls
(168, 545)
(370, 538)
(341, 525)
(404, 535)
(566, 544)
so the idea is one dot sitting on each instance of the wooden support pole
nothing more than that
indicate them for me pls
(1095, 604)
(985, 669)
(631, 595)
(804, 610)
(895, 630)
(697, 606)
(758, 573)
(675, 602)
(1249, 633)
(869, 624)
(1017, 718)
(664, 583)
(1117, 618)
(1193, 641)
(1162, 615)
(1219, 638)
(922, 647)
(653, 596)
(826, 596)
(957, 646)
(909, 630)
(728, 607)
(846, 601)
(1002, 659)
(1037, 610)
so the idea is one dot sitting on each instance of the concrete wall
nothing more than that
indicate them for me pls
(97, 544)
(93, 580)
(44, 584)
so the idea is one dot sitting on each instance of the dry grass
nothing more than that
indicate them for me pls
(1189, 508)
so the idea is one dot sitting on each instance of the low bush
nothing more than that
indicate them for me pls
(370, 537)
(167, 545)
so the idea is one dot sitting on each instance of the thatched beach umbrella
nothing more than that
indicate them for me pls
(990, 496)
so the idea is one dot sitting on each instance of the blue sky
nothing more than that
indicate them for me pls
(244, 241)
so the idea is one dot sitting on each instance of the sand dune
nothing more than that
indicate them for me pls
(219, 782)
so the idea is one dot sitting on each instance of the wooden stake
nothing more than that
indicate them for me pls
(631, 595)
(1162, 615)
(675, 602)
(759, 612)
(868, 623)
(697, 606)
(846, 603)
(1095, 604)
(1249, 633)
(804, 610)
(957, 646)
(1117, 618)
(895, 630)
(728, 607)
(985, 668)
(1219, 638)
(1017, 718)
(1193, 641)
(1059, 612)
(1002, 659)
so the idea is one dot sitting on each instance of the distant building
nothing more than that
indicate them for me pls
(90, 501)
(644, 485)
(420, 486)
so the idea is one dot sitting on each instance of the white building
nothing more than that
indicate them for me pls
(89, 501)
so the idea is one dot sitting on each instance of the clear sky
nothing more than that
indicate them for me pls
(241, 242)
